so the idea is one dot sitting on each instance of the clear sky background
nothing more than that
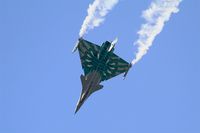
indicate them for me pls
(40, 77)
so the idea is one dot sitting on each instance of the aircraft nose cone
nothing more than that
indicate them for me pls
(77, 107)
(76, 110)
(79, 104)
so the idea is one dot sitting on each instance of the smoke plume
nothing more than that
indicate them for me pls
(155, 16)
(96, 14)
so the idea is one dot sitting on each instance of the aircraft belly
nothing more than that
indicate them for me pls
(93, 78)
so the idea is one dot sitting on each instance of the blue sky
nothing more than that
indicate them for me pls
(40, 77)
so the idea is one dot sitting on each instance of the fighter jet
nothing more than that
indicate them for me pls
(99, 63)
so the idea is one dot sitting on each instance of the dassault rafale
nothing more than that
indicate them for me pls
(99, 63)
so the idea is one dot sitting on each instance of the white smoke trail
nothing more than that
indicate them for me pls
(155, 16)
(96, 13)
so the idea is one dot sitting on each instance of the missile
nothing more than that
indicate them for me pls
(76, 45)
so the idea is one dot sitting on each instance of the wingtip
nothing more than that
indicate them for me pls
(125, 74)
(76, 46)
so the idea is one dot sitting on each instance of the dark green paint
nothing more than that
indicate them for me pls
(96, 58)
